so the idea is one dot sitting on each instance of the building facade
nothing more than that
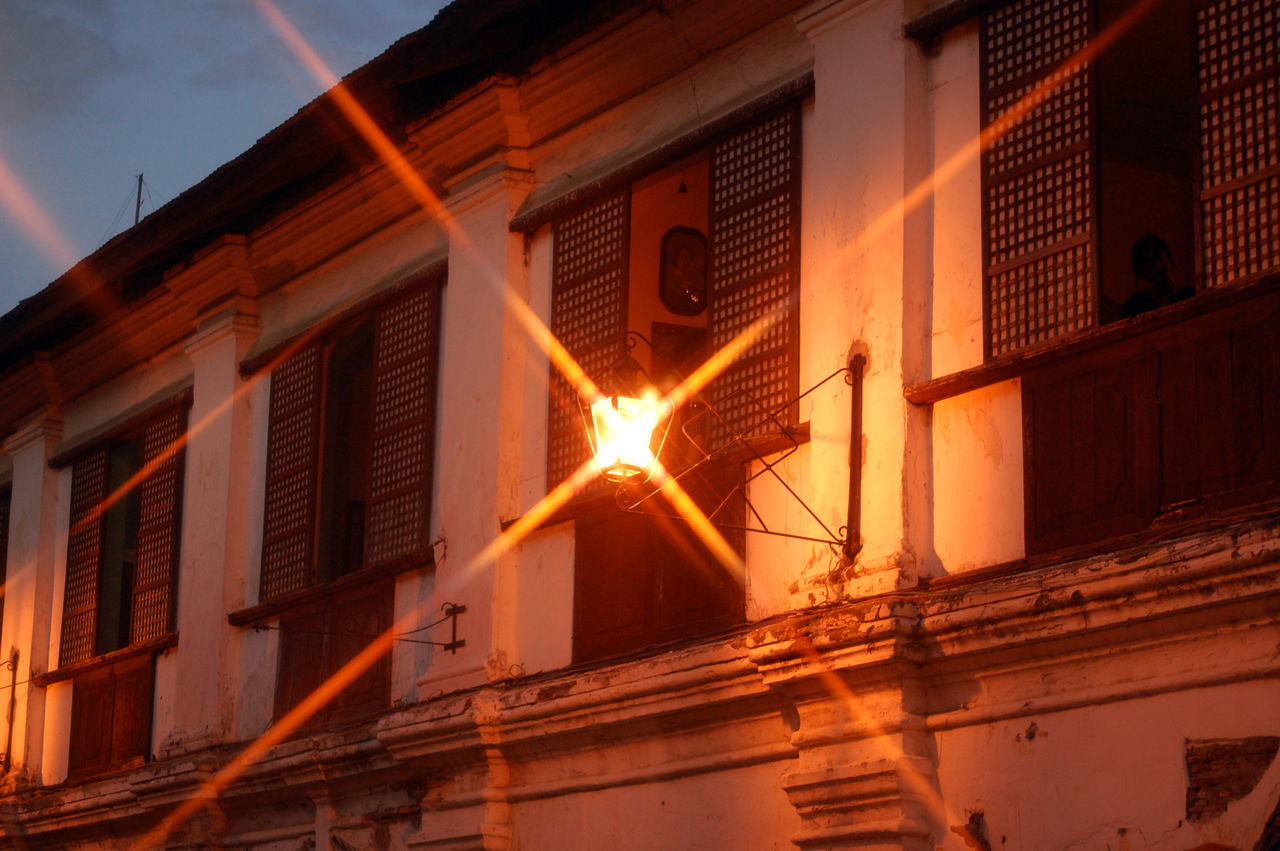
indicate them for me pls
(302, 545)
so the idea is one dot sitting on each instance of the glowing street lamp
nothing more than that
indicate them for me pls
(628, 425)
(621, 430)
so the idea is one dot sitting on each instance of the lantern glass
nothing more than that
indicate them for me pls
(623, 428)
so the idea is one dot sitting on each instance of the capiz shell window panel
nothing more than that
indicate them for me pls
(755, 270)
(1238, 46)
(402, 419)
(404, 388)
(293, 452)
(84, 555)
(1038, 174)
(158, 524)
(588, 317)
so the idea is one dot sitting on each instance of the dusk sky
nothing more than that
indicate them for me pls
(94, 92)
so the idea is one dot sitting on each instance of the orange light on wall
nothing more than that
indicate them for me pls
(622, 435)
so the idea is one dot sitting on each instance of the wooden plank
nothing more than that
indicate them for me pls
(89, 749)
(354, 621)
(1091, 444)
(131, 714)
(303, 656)
(1015, 364)
(615, 586)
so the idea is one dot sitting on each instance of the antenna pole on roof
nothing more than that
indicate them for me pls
(137, 207)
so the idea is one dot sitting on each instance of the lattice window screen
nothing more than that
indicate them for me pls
(754, 245)
(158, 527)
(588, 316)
(292, 456)
(404, 390)
(1039, 176)
(84, 554)
(1239, 76)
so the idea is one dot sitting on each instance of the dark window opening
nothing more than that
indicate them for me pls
(119, 546)
(344, 463)
(1147, 154)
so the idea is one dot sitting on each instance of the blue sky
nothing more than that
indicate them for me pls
(94, 92)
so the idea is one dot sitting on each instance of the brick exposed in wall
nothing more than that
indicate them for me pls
(1220, 771)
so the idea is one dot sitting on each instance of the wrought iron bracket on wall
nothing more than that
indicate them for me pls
(12, 664)
(847, 540)
(451, 612)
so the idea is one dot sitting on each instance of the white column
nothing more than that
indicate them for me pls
(478, 459)
(29, 585)
(863, 274)
(196, 690)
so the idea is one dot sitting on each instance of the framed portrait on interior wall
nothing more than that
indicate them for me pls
(682, 281)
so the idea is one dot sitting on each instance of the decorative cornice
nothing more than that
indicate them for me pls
(244, 327)
(822, 15)
(46, 428)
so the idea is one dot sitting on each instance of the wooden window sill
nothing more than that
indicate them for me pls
(271, 608)
(1014, 364)
(1165, 530)
(155, 645)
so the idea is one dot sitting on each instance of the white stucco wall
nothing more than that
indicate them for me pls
(743, 808)
(1108, 776)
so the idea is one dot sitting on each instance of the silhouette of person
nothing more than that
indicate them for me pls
(1153, 264)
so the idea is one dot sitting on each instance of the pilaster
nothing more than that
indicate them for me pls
(865, 776)
(862, 274)
(471, 810)
(482, 374)
(213, 568)
(29, 585)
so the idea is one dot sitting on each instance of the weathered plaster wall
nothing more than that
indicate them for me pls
(1106, 776)
(477, 470)
(956, 202)
(743, 808)
(978, 479)
(131, 394)
(854, 248)
(716, 82)
(976, 439)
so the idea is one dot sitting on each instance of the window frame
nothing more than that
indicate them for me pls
(654, 579)
(153, 628)
(1078, 293)
(323, 593)
(430, 283)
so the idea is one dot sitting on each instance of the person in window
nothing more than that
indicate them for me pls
(1153, 267)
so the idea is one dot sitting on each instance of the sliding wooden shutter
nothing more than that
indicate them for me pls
(755, 263)
(84, 555)
(1239, 76)
(158, 527)
(293, 452)
(404, 390)
(111, 716)
(1039, 176)
(588, 316)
